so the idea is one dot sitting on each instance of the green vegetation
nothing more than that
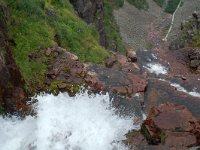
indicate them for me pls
(162, 138)
(160, 2)
(35, 25)
(171, 6)
(140, 4)
(72, 89)
(112, 30)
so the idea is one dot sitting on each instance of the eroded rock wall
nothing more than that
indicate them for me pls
(12, 95)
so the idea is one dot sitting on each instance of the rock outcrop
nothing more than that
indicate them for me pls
(91, 11)
(12, 94)
(169, 125)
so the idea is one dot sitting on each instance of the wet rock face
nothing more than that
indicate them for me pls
(91, 11)
(172, 125)
(12, 95)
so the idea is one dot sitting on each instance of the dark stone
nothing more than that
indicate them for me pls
(194, 63)
(110, 62)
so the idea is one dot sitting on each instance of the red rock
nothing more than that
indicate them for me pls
(178, 139)
(138, 83)
(168, 119)
(122, 90)
(110, 62)
(93, 81)
(135, 138)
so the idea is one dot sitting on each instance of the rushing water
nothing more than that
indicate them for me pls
(82, 122)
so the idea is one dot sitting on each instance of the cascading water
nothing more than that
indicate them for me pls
(83, 122)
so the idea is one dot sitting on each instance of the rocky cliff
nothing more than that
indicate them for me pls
(92, 12)
(12, 95)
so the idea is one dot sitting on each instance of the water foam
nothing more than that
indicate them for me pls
(156, 68)
(182, 89)
(64, 123)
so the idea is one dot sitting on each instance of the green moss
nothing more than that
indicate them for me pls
(112, 30)
(146, 134)
(140, 4)
(162, 138)
(72, 89)
(36, 23)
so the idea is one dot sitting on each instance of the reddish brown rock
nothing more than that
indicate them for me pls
(180, 139)
(138, 82)
(173, 125)
(15, 101)
(93, 81)
(131, 55)
(110, 62)
(135, 138)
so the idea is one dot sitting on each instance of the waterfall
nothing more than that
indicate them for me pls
(83, 122)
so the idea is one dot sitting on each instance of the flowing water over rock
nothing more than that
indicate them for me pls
(83, 122)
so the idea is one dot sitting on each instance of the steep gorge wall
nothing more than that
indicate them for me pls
(12, 95)
(91, 11)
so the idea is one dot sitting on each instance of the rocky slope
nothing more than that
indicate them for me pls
(12, 94)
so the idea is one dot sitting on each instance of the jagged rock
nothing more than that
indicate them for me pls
(110, 62)
(135, 138)
(12, 94)
(131, 54)
(172, 125)
(93, 81)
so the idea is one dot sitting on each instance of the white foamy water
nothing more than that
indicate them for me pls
(64, 123)
(182, 89)
(156, 68)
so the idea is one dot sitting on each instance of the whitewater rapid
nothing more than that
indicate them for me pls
(83, 122)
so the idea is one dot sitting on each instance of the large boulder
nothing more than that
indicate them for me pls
(172, 125)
